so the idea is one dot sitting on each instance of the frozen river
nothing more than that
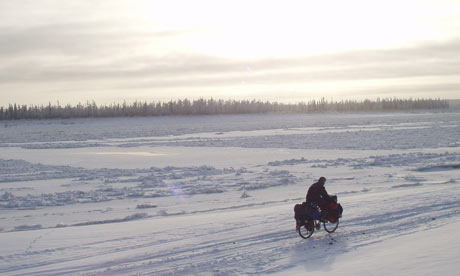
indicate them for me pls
(213, 195)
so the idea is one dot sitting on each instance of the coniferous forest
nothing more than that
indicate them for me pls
(210, 107)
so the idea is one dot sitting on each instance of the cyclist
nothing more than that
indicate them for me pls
(318, 196)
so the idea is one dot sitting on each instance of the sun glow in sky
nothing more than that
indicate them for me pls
(110, 51)
(249, 29)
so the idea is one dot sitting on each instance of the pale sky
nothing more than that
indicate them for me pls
(113, 50)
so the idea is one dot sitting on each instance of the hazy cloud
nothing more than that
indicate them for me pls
(200, 70)
(75, 39)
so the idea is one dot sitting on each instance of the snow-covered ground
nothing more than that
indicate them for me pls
(214, 195)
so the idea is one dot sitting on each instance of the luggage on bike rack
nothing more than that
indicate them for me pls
(300, 212)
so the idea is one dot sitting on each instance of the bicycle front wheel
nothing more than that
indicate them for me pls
(330, 226)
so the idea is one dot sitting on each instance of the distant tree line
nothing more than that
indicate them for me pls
(211, 106)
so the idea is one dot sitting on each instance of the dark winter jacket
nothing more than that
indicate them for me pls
(318, 194)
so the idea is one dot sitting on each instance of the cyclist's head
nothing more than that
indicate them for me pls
(322, 180)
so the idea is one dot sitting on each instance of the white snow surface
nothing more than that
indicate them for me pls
(214, 195)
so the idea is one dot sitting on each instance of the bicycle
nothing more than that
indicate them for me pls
(308, 218)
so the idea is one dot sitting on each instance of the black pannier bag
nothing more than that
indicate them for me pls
(300, 211)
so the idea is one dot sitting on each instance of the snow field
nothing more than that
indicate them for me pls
(215, 195)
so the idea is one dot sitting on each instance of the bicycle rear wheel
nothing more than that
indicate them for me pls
(330, 226)
(304, 232)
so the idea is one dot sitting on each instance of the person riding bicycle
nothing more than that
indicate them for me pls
(318, 196)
